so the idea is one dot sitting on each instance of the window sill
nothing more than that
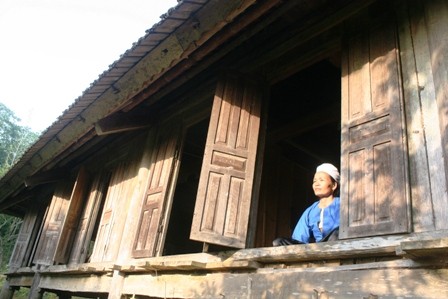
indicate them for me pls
(410, 246)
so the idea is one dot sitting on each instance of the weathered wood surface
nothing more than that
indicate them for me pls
(200, 260)
(431, 244)
(436, 20)
(373, 148)
(88, 218)
(342, 249)
(427, 177)
(226, 182)
(27, 233)
(70, 220)
(53, 226)
(157, 194)
(114, 215)
(208, 275)
(21, 281)
(80, 283)
(405, 278)
(78, 268)
(385, 280)
(436, 248)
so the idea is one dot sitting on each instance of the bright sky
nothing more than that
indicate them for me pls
(51, 50)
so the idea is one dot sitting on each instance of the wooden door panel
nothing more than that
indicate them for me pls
(149, 220)
(24, 239)
(374, 181)
(156, 196)
(107, 219)
(89, 217)
(70, 217)
(224, 197)
(48, 242)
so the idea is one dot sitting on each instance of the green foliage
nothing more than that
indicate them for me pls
(9, 229)
(14, 139)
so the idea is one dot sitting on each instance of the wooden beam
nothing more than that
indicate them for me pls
(121, 122)
(78, 268)
(342, 249)
(174, 265)
(76, 284)
(21, 281)
(233, 265)
(44, 177)
(424, 248)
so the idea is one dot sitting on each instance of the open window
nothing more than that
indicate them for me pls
(260, 157)
(178, 235)
(303, 131)
(219, 172)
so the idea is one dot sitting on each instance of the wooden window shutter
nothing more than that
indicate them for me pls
(88, 218)
(225, 191)
(109, 212)
(24, 239)
(70, 221)
(115, 212)
(61, 221)
(52, 228)
(374, 190)
(160, 174)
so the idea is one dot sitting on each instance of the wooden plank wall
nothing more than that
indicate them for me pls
(424, 54)
(115, 211)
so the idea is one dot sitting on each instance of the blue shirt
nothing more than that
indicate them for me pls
(308, 225)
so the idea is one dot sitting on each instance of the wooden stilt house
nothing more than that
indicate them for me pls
(174, 171)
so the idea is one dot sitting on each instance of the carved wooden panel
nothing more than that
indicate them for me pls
(24, 239)
(57, 212)
(88, 218)
(160, 174)
(225, 189)
(374, 182)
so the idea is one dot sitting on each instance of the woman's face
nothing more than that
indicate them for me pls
(323, 185)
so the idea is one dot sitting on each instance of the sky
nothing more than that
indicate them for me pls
(52, 50)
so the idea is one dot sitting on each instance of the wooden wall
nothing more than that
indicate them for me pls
(424, 56)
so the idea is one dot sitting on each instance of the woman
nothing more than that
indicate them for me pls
(320, 221)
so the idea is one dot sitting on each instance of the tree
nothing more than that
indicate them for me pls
(14, 139)
(9, 229)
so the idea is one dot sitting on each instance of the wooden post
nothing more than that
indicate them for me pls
(35, 291)
(116, 285)
(7, 292)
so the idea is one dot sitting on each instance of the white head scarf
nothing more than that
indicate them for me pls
(329, 169)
